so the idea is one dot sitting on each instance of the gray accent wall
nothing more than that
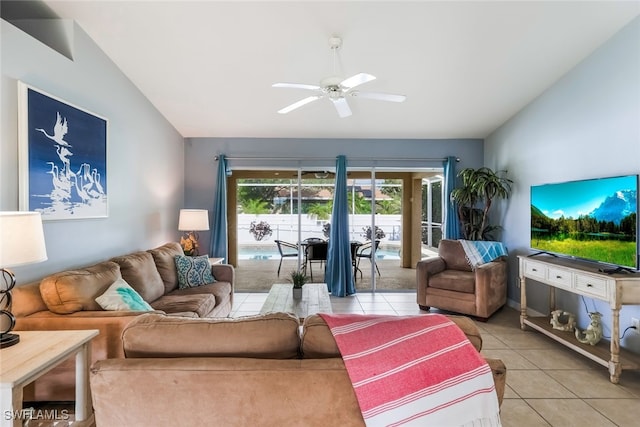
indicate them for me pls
(587, 125)
(145, 154)
(201, 167)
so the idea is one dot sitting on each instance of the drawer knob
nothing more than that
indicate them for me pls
(558, 277)
(589, 285)
(534, 269)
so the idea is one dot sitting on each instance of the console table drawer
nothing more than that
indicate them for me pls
(595, 286)
(559, 277)
(535, 269)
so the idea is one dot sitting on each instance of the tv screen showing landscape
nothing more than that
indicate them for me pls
(593, 219)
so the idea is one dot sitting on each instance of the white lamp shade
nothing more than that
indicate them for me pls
(193, 220)
(21, 239)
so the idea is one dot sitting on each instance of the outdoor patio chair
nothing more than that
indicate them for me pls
(316, 252)
(365, 251)
(287, 250)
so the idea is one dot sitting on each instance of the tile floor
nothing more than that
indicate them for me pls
(547, 384)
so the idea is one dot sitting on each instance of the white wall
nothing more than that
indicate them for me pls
(145, 153)
(587, 125)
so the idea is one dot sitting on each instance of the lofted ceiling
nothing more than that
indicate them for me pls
(465, 67)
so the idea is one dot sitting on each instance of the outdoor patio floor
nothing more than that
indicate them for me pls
(259, 275)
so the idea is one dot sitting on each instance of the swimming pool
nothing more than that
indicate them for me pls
(268, 253)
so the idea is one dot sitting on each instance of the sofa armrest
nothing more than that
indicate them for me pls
(425, 269)
(224, 273)
(499, 372)
(491, 285)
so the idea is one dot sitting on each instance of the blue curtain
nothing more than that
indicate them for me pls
(219, 230)
(339, 274)
(451, 224)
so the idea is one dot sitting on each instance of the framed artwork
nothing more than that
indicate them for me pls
(62, 158)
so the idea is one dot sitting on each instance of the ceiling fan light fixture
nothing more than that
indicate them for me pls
(336, 88)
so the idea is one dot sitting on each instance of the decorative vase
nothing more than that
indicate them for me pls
(297, 293)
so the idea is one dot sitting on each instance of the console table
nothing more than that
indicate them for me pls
(584, 279)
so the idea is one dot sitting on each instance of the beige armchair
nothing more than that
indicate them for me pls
(449, 283)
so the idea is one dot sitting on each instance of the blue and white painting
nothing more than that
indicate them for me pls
(63, 159)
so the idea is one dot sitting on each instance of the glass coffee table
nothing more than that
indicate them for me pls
(315, 299)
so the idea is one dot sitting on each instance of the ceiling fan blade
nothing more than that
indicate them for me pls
(342, 107)
(357, 80)
(379, 96)
(296, 86)
(299, 104)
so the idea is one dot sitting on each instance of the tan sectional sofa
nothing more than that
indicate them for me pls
(66, 300)
(263, 370)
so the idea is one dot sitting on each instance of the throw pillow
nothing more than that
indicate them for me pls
(193, 271)
(120, 296)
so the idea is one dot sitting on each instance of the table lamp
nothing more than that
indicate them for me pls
(191, 221)
(21, 243)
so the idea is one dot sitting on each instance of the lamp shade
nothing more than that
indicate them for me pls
(193, 220)
(21, 239)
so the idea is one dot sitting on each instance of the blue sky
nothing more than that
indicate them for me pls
(576, 198)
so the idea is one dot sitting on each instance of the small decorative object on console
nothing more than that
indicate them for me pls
(593, 334)
(563, 320)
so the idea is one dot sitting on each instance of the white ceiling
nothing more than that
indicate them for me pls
(466, 67)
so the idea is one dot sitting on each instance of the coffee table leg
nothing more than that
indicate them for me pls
(83, 392)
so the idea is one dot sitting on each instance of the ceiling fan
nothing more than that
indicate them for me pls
(337, 89)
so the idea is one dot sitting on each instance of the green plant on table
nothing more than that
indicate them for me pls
(298, 278)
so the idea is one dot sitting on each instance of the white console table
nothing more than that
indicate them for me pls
(584, 279)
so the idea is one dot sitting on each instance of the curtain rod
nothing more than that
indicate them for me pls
(411, 159)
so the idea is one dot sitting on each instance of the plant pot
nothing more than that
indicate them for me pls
(297, 293)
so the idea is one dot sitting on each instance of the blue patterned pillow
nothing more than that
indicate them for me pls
(120, 296)
(193, 271)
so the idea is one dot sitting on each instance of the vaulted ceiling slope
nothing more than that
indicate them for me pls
(466, 67)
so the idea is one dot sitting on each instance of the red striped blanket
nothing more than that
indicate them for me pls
(415, 370)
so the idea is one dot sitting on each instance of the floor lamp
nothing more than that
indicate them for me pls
(21, 243)
(191, 221)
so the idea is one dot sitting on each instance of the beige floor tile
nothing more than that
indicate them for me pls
(405, 306)
(569, 413)
(490, 341)
(376, 305)
(380, 311)
(527, 340)
(517, 413)
(341, 310)
(510, 358)
(558, 358)
(509, 393)
(623, 412)
(590, 383)
(630, 381)
(413, 312)
(536, 384)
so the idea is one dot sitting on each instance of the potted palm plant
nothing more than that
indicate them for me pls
(480, 187)
(298, 278)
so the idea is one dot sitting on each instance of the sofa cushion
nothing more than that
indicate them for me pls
(75, 290)
(453, 254)
(454, 280)
(193, 271)
(163, 256)
(317, 341)
(200, 304)
(139, 270)
(221, 290)
(269, 336)
(122, 297)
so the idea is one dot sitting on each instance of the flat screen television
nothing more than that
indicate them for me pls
(592, 219)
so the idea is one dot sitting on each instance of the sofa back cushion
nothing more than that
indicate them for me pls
(164, 257)
(318, 343)
(453, 254)
(139, 270)
(268, 336)
(76, 290)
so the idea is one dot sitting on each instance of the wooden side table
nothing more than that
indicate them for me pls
(36, 354)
